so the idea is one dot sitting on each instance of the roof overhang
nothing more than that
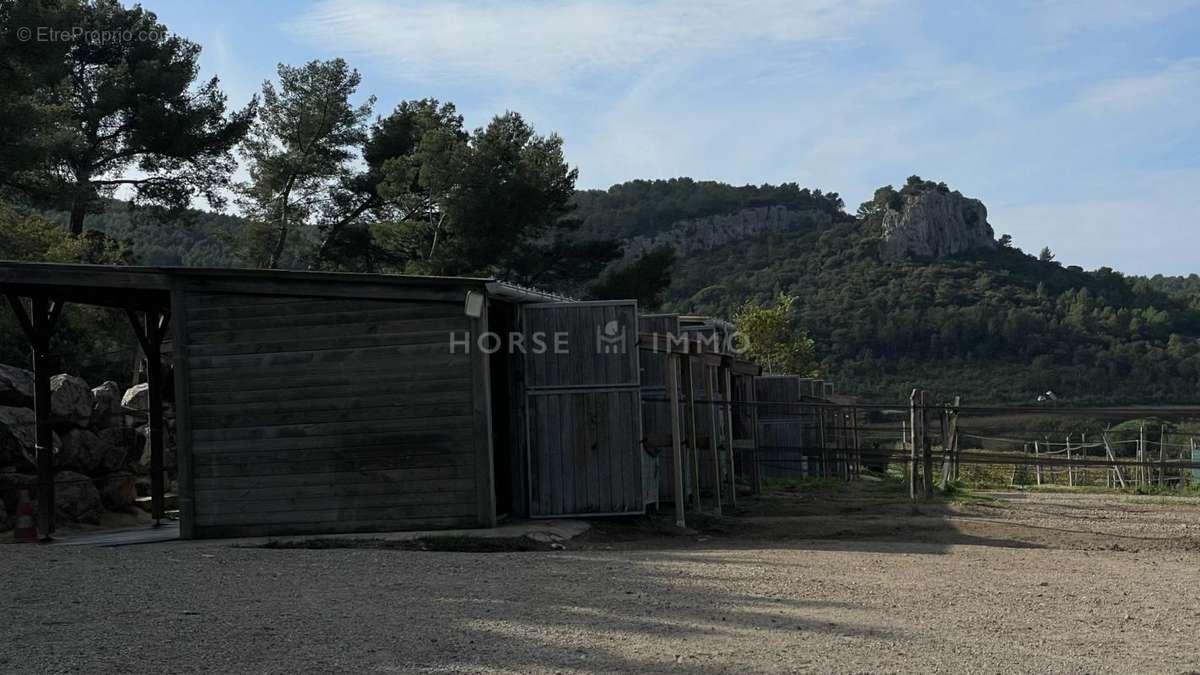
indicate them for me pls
(150, 287)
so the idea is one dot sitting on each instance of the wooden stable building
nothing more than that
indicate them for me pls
(314, 402)
(311, 402)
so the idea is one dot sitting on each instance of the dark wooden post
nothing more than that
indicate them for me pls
(728, 384)
(676, 445)
(927, 448)
(693, 443)
(710, 396)
(946, 448)
(150, 328)
(752, 401)
(914, 435)
(819, 413)
(38, 324)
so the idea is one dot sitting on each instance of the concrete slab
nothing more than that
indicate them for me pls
(538, 530)
(126, 536)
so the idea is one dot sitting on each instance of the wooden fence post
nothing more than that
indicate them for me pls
(912, 462)
(1070, 467)
(926, 448)
(1037, 461)
(945, 414)
(954, 437)
(1083, 440)
(1112, 457)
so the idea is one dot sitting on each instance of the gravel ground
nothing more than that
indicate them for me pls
(1018, 583)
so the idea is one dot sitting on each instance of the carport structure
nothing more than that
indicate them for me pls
(37, 294)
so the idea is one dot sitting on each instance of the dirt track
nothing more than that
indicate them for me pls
(1025, 582)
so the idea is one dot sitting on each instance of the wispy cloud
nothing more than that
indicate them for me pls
(1076, 16)
(528, 40)
(1159, 88)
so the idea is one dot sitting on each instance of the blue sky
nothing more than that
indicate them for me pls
(1076, 122)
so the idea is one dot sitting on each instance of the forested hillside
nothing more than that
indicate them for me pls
(992, 325)
(192, 239)
(645, 207)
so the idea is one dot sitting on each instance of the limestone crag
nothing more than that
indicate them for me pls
(710, 232)
(935, 224)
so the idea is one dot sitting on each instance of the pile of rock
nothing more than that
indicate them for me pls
(101, 453)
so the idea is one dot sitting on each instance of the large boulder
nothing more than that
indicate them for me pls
(126, 438)
(16, 387)
(118, 491)
(143, 457)
(85, 451)
(76, 498)
(137, 398)
(18, 441)
(16, 438)
(106, 406)
(70, 400)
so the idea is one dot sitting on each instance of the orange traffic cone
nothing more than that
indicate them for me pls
(26, 530)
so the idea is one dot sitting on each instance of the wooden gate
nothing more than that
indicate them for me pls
(583, 408)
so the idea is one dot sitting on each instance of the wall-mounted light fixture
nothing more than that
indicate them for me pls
(474, 304)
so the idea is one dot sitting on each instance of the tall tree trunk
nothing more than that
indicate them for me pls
(78, 212)
(277, 252)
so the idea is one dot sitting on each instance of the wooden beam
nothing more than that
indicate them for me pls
(183, 419)
(149, 328)
(41, 325)
(18, 307)
(481, 397)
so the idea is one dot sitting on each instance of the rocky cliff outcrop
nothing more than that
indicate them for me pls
(932, 224)
(705, 234)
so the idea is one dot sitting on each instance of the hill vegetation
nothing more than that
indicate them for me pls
(992, 325)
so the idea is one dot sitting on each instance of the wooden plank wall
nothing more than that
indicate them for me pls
(784, 426)
(585, 453)
(584, 411)
(705, 412)
(315, 415)
(656, 412)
